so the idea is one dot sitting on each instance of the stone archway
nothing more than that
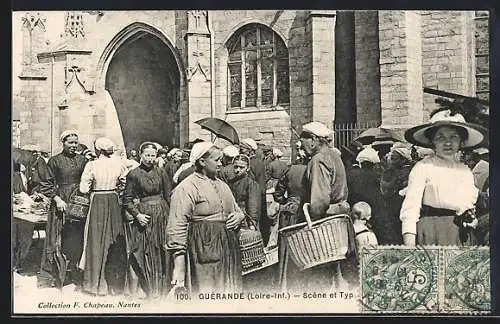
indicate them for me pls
(144, 82)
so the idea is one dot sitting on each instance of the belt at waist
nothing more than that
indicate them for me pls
(151, 198)
(426, 211)
(208, 221)
(208, 218)
(104, 191)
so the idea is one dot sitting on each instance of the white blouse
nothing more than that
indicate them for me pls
(438, 183)
(103, 174)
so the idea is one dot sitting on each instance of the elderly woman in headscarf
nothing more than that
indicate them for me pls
(64, 236)
(438, 208)
(103, 259)
(203, 228)
(363, 183)
(150, 186)
(394, 178)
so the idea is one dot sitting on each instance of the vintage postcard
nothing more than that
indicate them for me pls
(251, 161)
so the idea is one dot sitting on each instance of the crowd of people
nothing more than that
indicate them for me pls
(166, 218)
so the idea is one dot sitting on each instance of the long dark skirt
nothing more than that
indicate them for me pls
(440, 230)
(104, 256)
(22, 237)
(63, 246)
(386, 222)
(214, 258)
(147, 258)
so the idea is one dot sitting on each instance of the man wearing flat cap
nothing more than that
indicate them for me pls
(325, 189)
(325, 178)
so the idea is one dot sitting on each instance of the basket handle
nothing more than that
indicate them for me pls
(305, 208)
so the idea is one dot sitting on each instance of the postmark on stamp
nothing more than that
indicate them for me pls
(466, 279)
(399, 279)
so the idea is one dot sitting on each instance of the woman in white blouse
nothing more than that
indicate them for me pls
(104, 252)
(441, 189)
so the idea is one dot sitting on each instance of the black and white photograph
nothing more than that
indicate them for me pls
(251, 162)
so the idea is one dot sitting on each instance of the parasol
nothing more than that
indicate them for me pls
(378, 134)
(219, 127)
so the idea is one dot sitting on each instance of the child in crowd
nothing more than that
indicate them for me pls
(360, 215)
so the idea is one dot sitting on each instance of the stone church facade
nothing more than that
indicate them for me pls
(148, 75)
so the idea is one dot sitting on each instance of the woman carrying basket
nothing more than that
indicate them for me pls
(202, 231)
(64, 241)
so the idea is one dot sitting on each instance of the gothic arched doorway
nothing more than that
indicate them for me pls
(144, 83)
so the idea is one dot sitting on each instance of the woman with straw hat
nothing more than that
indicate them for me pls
(438, 208)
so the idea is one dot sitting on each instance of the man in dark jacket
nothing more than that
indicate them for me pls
(258, 170)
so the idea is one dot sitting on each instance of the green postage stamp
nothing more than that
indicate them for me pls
(398, 279)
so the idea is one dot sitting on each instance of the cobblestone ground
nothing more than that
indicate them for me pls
(27, 298)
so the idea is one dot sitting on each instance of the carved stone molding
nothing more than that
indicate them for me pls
(198, 22)
(74, 25)
(32, 20)
(74, 74)
(199, 60)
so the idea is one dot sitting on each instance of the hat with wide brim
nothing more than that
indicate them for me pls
(416, 135)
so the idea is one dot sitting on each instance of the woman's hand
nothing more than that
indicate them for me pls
(234, 219)
(473, 224)
(143, 219)
(409, 239)
(60, 204)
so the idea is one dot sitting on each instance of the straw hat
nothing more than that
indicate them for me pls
(417, 135)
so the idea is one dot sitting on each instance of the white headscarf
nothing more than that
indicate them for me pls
(230, 151)
(104, 144)
(250, 143)
(368, 154)
(199, 149)
(67, 133)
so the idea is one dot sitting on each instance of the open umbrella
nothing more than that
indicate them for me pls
(378, 134)
(219, 127)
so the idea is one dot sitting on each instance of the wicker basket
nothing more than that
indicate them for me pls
(271, 256)
(252, 248)
(315, 243)
(78, 208)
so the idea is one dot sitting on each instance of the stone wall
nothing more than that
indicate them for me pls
(482, 40)
(400, 68)
(447, 53)
(367, 68)
(35, 117)
(310, 43)
(407, 49)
